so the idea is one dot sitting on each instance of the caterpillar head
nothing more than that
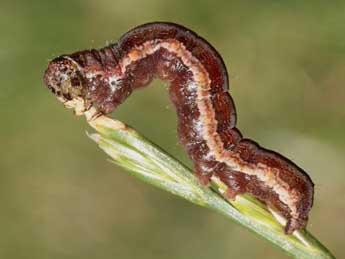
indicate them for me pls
(64, 78)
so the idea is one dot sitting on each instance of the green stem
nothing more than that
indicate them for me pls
(150, 163)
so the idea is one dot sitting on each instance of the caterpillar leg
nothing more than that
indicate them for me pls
(203, 178)
(235, 181)
(294, 224)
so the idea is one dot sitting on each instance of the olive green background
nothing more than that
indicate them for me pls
(61, 198)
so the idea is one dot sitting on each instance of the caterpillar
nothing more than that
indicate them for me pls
(206, 113)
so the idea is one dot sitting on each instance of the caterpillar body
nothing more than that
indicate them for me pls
(206, 113)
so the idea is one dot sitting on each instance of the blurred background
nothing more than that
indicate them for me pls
(61, 198)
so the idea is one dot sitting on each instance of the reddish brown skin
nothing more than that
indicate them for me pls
(162, 64)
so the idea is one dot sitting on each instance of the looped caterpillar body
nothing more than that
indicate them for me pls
(206, 112)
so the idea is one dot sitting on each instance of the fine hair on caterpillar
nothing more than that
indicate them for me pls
(206, 113)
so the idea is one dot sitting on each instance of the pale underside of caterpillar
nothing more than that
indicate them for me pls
(206, 113)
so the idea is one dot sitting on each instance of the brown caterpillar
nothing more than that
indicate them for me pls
(206, 113)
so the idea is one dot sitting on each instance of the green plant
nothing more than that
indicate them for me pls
(145, 160)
